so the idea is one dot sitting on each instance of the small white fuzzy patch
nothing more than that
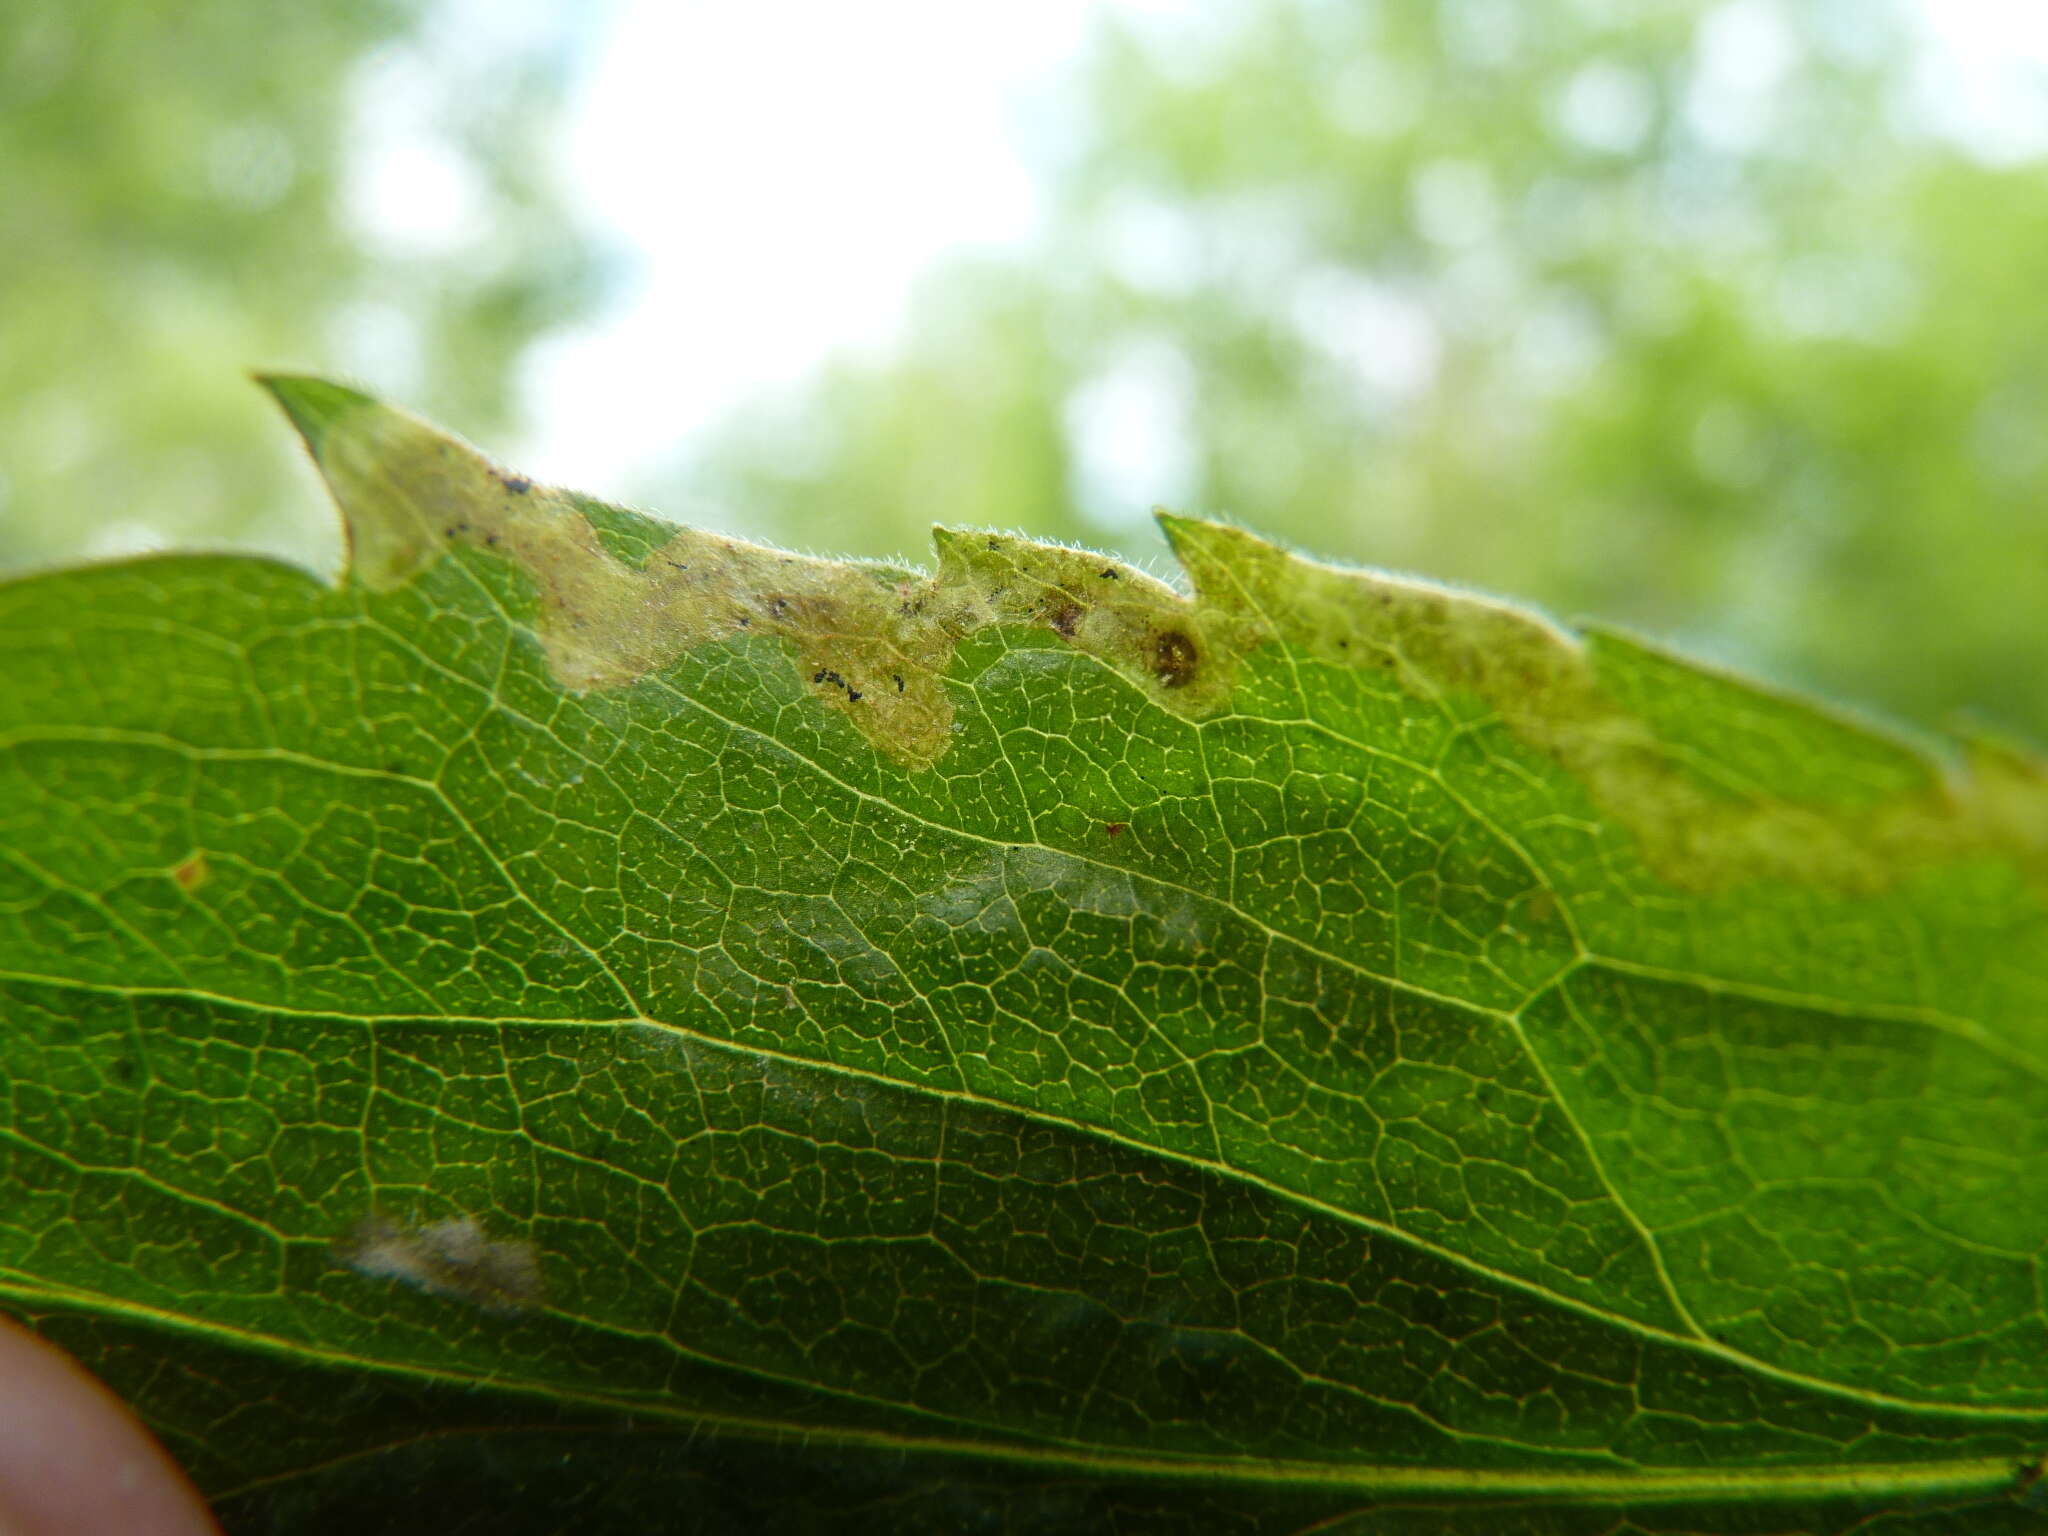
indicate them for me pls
(448, 1258)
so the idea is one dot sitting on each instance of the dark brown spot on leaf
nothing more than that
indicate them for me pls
(190, 872)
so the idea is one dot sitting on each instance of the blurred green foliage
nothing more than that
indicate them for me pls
(176, 207)
(1674, 313)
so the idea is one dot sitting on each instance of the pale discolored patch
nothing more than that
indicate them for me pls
(447, 1258)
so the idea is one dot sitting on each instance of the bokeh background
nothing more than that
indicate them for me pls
(1723, 319)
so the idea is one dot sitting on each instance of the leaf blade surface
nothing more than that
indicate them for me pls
(1321, 1024)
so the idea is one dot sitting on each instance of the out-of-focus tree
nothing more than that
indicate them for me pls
(1680, 314)
(191, 190)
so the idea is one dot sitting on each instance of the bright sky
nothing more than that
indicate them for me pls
(778, 173)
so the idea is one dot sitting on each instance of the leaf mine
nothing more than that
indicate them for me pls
(447, 1258)
(872, 642)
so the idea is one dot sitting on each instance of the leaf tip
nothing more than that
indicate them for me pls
(314, 404)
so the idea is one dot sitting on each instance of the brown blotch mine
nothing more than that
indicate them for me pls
(872, 641)
(1173, 659)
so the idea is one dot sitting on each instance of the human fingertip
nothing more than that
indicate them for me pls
(74, 1461)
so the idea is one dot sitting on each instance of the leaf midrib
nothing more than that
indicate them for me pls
(1963, 1476)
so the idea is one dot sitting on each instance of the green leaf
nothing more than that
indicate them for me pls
(589, 1025)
